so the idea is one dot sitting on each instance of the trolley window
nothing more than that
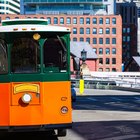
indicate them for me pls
(55, 55)
(25, 56)
(3, 57)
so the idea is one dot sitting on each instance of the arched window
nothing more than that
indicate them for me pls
(49, 20)
(55, 20)
(81, 30)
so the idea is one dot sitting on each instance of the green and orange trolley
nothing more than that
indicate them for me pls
(35, 86)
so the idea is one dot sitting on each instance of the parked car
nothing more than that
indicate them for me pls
(73, 93)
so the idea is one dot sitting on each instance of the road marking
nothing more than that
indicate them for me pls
(92, 99)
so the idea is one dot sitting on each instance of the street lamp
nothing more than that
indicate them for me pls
(83, 55)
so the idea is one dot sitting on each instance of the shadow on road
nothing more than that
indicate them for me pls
(108, 102)
(108, 130)
(28, 135)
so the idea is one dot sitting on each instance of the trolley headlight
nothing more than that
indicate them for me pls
(64, 110)
(36, 36)
(26, 98)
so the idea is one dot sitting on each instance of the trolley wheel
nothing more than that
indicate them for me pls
(61, 132)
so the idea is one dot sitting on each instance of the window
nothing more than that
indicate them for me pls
(81, 30)
(27, 63)
(113, 20)
(74, 30)
(81, 20)
(124, 38)
(113, 30)
(100, 20)
(100, 69)
(95, 50)
(114, 69)
(87, 30)
(107, 40)
(107, 61)
(61, 20)
(74, 20)
(81, 39)
(55, 55)
(100, 40)
(49, 20)
(3, 57)
(94, 20)
(7, 18)
(74, 39)
(107, 69)
(87, 20)
(128, 30)
(113, 40)
(101, 31)
(55, 20)
(107, 21)
(94, 40)
(68, 20)
(128, 38)
(88, 40)
(113, 60)
(124, 30)
(113, 50)
(100, 60)
(94, 31)
(107, 31)
(107, 51)
(100, 50)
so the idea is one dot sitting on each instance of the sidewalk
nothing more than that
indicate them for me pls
(104, 92)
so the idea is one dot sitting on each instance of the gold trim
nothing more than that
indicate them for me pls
(26, 88)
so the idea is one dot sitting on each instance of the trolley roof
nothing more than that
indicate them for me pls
(30, 25)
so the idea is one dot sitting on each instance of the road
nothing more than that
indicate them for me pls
(105, 115)
(99, 115)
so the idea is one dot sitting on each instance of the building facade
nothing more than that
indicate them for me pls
(135, 1)
(102, 32)
(9, 6)
(69, 7)
(128, 12)
(94, 22)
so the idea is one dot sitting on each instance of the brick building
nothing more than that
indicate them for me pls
(102, 32)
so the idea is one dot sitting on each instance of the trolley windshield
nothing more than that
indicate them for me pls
(26, 55)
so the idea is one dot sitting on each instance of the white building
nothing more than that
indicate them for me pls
(9, 6)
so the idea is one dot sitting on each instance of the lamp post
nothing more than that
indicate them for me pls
(83, 57)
